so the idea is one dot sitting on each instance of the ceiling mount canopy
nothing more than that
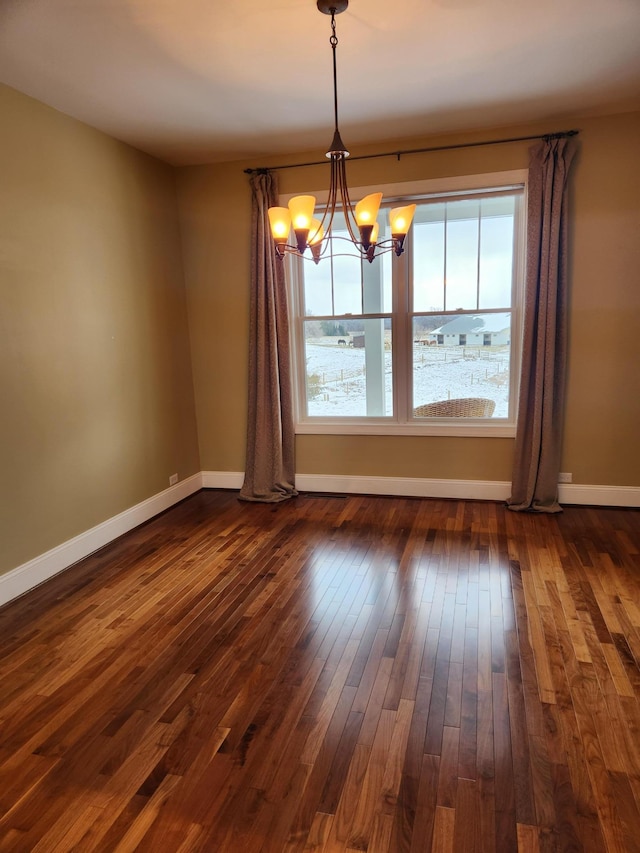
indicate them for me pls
(361, 220)
(332, 7)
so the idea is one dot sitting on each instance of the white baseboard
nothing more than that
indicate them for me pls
(488, 490)
(222, 479)
(399, 486)
(576, 493)
(41, 568)
(36, 571)
(413, 487)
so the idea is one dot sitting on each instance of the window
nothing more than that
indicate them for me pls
(422, 343)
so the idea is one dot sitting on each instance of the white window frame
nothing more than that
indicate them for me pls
(402, 337)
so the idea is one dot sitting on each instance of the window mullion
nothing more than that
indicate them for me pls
(517, 301)
(402, 337)
(333, 284)
(444, 258)
(478, 250)
(296, 335)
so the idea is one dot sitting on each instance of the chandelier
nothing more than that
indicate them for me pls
(361, 219)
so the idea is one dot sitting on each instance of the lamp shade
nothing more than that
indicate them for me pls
(316, 232)
(280, 222)
(367, 209)
(301, 207)
(374, 233)
(400, 219)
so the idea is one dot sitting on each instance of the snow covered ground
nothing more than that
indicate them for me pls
(337, 383)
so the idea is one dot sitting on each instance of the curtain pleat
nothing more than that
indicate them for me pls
(270, 466)
(538, 442)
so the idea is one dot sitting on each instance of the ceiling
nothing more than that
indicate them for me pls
(194, 81)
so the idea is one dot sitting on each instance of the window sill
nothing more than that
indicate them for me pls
(476, 430)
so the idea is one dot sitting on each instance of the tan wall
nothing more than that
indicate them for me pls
(600, 443)
(97, 397)
(603, 414)
(214, 219)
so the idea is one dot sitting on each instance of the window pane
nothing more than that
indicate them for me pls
(377, 294)
(383, 264)
(496, 253)
(428, 262)
(348, 373)
(347, 280)
(317, 288)
(465, 246)
(464, 359)
(462, 255)
(387, 282)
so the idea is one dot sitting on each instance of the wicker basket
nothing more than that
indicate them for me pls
(468, 407)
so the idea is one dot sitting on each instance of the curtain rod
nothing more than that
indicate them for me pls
(560, 135)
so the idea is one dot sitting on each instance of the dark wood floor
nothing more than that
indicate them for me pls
(330, 674)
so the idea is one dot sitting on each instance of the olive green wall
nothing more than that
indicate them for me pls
(603, 413)
(97, 404)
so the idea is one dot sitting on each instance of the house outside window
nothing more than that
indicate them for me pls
(381, 347)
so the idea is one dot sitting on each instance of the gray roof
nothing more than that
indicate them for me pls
(474, 324)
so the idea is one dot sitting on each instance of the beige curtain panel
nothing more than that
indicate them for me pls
(541, 401)
(270, 465)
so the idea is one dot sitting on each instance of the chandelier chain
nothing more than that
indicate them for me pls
(333, 41)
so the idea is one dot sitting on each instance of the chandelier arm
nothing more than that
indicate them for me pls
(332, 200)
(349, 214)
(333, 194)
(361, 255)
(335, 185)
(321, 250)
(382, 248)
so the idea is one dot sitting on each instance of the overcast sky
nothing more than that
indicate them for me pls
(472, 282)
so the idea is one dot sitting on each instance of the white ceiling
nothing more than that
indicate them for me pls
(194, 81)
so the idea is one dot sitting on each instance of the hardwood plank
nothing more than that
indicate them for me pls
(369, 800)
(528, 839)
(413, 777)
(443, 830)
(467, 835)
(467, 753)
(421, 834)
(392, 776)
